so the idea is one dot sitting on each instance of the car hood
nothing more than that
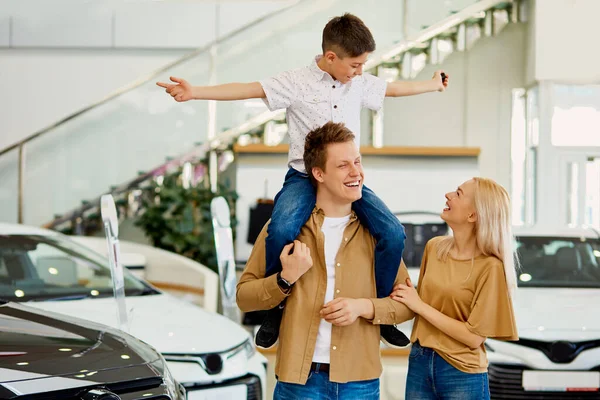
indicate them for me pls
(170, 325)
(72, 352)
(557, 314)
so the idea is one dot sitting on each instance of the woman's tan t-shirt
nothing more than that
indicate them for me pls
(471, 291)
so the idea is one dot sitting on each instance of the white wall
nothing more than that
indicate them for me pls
(566, 37)
(125, 23)
(474, 111)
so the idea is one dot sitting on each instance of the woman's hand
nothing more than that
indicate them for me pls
(407, 295)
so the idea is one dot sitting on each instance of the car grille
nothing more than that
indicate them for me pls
(252, 383)
(254, 390)
(560, 352)
(76, 395)
(506, 383)
(129, 390)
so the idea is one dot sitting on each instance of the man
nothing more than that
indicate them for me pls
(329, 337)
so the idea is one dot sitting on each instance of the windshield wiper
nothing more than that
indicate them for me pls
(74, 296)
(144, 292)
(80, 296)
(61, 298)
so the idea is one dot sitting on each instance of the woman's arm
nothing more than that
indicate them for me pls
(407, 295)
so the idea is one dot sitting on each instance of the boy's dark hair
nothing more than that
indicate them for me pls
(317, 140)
(347, 36)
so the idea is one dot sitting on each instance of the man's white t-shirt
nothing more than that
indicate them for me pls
(333, 230)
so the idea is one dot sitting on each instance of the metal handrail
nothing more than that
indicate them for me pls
(198, 152)
(436, 29)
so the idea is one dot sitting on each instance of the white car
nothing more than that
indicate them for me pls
(211, 356)
(557, 308)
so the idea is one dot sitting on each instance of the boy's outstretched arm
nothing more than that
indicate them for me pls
(182, 90)
(410, 88)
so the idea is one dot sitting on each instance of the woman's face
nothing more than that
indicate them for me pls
(460, 207)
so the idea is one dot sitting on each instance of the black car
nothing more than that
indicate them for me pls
(49, 356)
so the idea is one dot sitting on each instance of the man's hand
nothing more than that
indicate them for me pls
(296, 264)
(180, 91)
(343, 311)
(437, 77)
(407, 295)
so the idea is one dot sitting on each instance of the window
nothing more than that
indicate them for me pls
(576, 115)
(533, 139)
(518, 156)
(572, 194)
(592, 193)
(51, 267)
(524, 144)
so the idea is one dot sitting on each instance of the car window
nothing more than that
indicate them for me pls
(36, 267)
(3, 270)
(558, 262)
(419, 227)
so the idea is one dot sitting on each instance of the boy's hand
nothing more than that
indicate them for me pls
(296, 264)
(180, 91)
(437, 78)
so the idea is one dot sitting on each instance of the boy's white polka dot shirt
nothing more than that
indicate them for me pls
(312, 98)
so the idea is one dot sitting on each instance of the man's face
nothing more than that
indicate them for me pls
(345, 69)
(342, 179)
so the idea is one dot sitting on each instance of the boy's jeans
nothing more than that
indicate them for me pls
(295, 202)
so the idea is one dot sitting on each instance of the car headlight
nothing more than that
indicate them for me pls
(174, 388)
(247, 347)
(250, 348)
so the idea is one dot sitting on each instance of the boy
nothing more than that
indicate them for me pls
(332, 88)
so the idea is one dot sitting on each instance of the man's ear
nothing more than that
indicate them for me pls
(318, 174)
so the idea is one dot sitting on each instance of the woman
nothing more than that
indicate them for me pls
(464, 296)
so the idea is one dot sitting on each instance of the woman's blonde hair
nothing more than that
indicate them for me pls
(493, 231)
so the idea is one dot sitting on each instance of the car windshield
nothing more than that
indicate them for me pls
(37, 267)
(558, 262)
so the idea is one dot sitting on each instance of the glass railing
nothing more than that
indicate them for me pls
(81, 158)
(108, 144)
(9, 190)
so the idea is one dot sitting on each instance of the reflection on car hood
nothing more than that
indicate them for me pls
(167, 323)
(37, 345)
(552, 314)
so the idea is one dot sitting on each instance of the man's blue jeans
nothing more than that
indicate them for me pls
(318, 387)
(430, 377)
(295, 202)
